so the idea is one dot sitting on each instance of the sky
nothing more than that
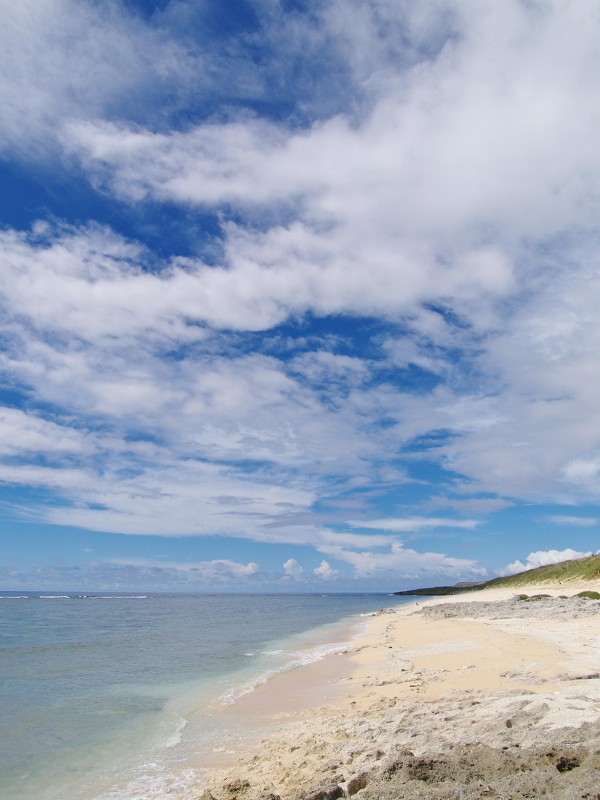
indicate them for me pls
(297, 295)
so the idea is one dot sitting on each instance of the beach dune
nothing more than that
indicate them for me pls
(475, 696)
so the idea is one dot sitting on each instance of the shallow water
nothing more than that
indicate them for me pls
(115, 696)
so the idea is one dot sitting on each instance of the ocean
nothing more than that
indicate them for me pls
(116, 697)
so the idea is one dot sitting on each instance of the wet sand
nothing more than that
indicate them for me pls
(471, 696)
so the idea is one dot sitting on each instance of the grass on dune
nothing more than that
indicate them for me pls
(584, 569)
(579, 569)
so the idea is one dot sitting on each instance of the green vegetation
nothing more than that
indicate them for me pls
(435, 591)
(582, 569)
(590, 595)
(534, 597)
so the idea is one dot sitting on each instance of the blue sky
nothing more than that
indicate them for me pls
(297, 296)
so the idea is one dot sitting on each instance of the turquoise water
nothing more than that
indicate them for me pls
(113, 696)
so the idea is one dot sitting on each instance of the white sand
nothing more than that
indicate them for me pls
(520, 676)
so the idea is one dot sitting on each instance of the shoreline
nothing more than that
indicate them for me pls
(474, 679)
(303, 688)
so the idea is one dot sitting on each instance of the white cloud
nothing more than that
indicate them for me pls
(59, 477)
(133, 573)
(56, 278)
(536, 433)
(323, 367)
(313, 264)
(292, 567)
(324, 571)
(25, 433)
(452, 194)
(582, 471)
(521, 441)
(89, 330)
(218, 568)
(409, 524)
(578, 522)
(407, 563)
(61, 59)
(370, 229)
(461, 125)
(170, 498)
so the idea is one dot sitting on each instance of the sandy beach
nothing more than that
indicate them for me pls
(479, 695)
